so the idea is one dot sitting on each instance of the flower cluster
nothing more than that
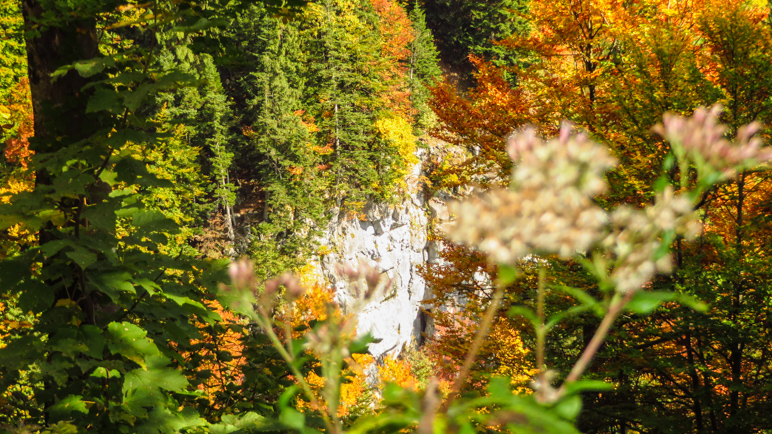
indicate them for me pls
(703, 139)
(635, 239)
(549, 208)
(244, 281)
(242, 274)
(365, 283)
(570, 162)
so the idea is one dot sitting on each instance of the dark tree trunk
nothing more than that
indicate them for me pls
(59, 106)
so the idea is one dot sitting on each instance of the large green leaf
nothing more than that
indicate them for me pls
(113, 283)
(104, 100)
(147, 383)
(72, 403)
(131, 342)
(82, 256)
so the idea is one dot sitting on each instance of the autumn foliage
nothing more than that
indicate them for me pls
(613, 69)
(17, 115)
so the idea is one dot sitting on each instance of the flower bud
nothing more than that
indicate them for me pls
(242, 274)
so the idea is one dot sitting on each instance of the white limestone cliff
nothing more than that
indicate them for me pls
(394, 239)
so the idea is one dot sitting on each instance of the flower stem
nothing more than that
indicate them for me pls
(265, 323)
(618, 303)
(541, 330)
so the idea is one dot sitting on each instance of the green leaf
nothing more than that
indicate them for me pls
(132, 100)
(122, 137)
(102, 372)
(246, 422)
(292, 418)
(93, 340)
(129, 341)
(569, 407)
(663, 181)
(645, 302)
(34, 296)
(53, 247)
(148, 285)
(168, 379)
(9, 270)
(68, 405)
(103, 100)
(111, 282)
(181, 301)
(287, 395)
(553, 320)
(692, 302)
(161, 419)
(466, 428)
(71, 184)
(90, 67)
(82, 256)
(526, 313)
(151, 218)
(361, 344)
(584, 298)
(100, 217)
(507, 274)
(499, 387)
(587, 385)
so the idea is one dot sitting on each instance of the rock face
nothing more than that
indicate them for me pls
(392, 238)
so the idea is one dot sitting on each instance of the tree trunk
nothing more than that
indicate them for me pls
(58, 106)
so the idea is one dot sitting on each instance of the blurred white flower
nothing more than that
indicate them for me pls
(549, 207)
(635, 238)
(704, 140)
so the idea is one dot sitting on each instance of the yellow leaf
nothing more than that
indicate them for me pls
(65, 302)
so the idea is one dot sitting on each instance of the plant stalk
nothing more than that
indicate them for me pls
(618, 303)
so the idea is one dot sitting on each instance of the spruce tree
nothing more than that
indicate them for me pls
(424, 67)
(278, 142)
(206, 114)
(465, 27)
(347, 87)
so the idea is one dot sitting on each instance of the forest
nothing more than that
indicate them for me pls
(581, 184)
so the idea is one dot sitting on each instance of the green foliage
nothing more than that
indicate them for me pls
(424, 68)
(13, 73)
(201, 117)
(108, 319)
(347, 81)
(278, 142)
(464, 27)
(115, 302)
(14, 60)
(312, 95)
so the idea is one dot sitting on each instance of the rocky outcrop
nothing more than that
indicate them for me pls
(394, 239)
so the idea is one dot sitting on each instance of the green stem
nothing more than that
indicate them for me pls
(618, 303)
(541, 330)
(265, 323)
(332, 380)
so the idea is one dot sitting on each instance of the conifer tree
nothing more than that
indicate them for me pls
(206, 114)
(346, 83)
(279, 142)
(424, 68)
(464, 27)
